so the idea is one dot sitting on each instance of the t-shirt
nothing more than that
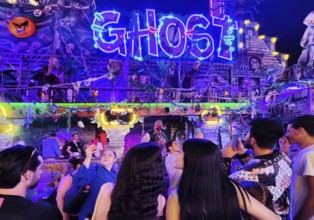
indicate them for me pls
(75, 146)
(303, 165)
(50, 148)
(19, 208)
(174, 173)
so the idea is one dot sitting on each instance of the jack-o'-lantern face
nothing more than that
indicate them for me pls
(22, 27)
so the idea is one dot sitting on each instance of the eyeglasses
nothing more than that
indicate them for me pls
(29, 160)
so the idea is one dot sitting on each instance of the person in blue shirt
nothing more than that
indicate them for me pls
(51, 147)
(94, 175)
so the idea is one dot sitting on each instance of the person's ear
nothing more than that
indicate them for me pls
(28, 175)
(252, 141)
(301, 131)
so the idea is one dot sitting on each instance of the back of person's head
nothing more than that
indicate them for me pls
(205, 192)
(53, 134)
(266, 132)
(260, 192)
(139, 182)
(76, 162)
(14, 162)
(304, 121)
(169, 144)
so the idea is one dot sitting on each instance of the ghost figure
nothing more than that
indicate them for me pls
(307, 42)
(37, 13)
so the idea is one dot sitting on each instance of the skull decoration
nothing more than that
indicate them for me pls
(37, 13)
(22, 27)
(48, 8)
(70, 48)
(254, 63)
(115, 66)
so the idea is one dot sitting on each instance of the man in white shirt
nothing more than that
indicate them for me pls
(174, 174)
(301, 131)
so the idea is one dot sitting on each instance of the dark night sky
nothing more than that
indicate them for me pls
(284, 19)
(278, 18)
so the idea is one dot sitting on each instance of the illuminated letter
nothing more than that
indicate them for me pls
(227, 37)
(172, 38)
(106, 38)
(201, 39)
(150, 32)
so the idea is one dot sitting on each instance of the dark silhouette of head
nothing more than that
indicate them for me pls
(266, 132)
(169, 144)
(14, 162)
(260, 192)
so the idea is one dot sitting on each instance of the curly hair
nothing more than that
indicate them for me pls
(139, 183)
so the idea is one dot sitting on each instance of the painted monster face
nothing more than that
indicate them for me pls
(22, 27)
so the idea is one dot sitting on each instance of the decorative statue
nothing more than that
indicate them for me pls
(307, 42)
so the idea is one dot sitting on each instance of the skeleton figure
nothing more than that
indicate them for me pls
(70, 48)
(307, 42)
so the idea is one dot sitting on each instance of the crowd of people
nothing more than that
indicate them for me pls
(160, 179)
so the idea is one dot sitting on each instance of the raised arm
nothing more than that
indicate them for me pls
(103, 202)
(64, 185)
(86, 173)
(172, 208)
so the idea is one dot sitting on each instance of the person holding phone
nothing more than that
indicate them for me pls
(268, 166)
(99, 147)
(94, 175)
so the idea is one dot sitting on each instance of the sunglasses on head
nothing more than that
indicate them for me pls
(29, 160)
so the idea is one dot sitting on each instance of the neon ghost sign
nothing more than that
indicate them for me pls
(172, 36)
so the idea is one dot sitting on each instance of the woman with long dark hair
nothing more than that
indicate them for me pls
(137, 192)
(205, 192)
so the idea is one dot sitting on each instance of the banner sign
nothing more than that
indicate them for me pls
(166, 36)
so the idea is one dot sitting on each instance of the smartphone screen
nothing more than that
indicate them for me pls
(95, 141)
(234, 140)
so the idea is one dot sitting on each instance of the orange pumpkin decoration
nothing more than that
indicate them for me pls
(22, 27)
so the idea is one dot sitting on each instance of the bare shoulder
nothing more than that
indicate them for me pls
(107, 188)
